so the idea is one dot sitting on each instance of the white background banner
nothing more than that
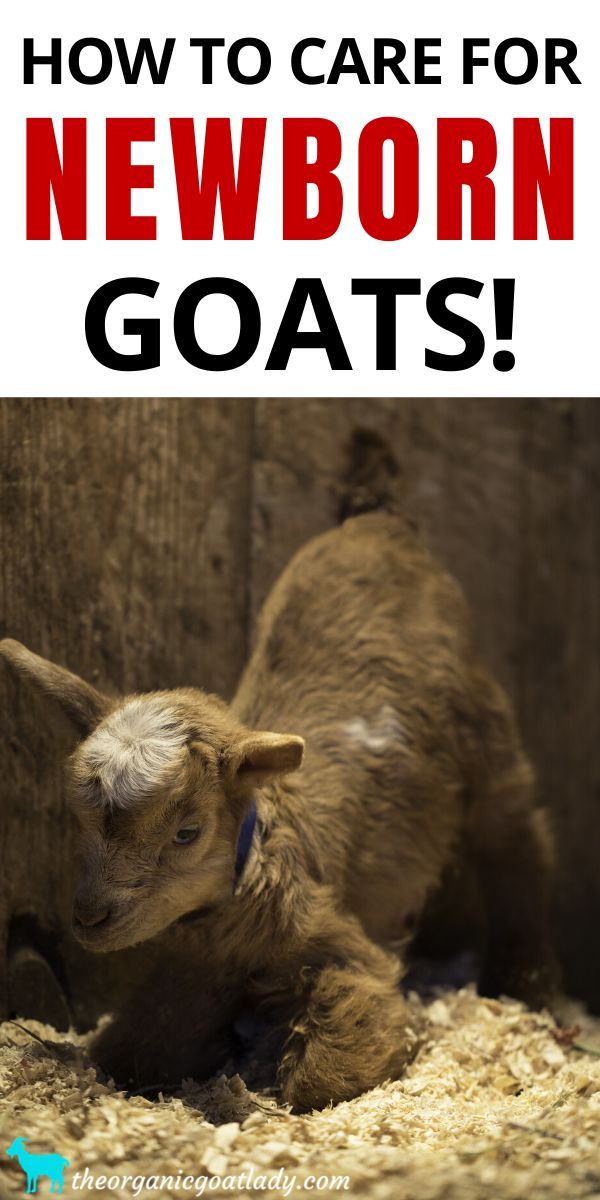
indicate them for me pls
(47, 284)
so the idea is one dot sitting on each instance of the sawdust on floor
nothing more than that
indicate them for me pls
(499, 1103)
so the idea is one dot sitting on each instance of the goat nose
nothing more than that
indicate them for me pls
(87, 916)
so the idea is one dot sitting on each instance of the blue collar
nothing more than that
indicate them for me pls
(245, 840)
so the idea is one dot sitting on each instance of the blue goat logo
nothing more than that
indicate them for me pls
(34, 1165)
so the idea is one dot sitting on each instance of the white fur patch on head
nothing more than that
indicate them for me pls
(135, 751)
(382, 730)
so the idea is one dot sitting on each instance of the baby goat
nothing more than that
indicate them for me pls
(303, 890)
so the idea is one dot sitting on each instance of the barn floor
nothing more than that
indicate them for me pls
(499, 1103)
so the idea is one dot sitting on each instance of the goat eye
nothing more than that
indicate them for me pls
(184, 837)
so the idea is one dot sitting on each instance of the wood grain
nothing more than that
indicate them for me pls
(124, 535)
(139, 538)
(508, 493)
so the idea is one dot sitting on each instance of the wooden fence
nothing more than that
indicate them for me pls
(139, 537)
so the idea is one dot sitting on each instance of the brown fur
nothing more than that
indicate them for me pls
(363, 651)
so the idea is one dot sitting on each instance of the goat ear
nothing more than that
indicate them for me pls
(81, 703)
(259, 757)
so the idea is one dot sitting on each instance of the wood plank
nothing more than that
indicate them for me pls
(124, 535)
(138, 538)
(461, 473)
(559, 680)
(508, 492)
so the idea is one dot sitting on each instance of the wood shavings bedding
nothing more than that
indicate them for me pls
(499, 1103)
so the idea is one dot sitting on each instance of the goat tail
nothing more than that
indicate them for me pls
(372, 477)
